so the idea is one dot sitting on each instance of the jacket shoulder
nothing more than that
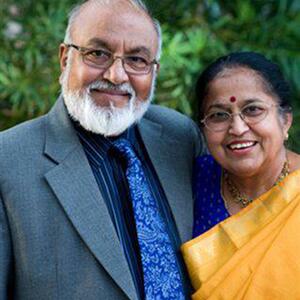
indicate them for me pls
(22, 137)
(169, 118)
(178, 126)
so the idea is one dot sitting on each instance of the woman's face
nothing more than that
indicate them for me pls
(245, 149)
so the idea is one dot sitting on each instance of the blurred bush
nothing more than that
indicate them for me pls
(194, 34)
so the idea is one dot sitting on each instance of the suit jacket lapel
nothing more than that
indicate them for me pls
(173, 172)
(74, 185)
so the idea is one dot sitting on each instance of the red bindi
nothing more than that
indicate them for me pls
(232, 99)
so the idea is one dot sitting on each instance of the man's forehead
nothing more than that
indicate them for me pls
(117, 21)
(113, 3)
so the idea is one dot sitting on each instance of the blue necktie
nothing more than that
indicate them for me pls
(162, 278)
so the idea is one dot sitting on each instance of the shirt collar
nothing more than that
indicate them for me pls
(106, 142)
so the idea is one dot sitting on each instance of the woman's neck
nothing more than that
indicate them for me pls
(238, 190)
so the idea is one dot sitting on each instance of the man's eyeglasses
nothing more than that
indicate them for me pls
(103, 59)
(220, 120)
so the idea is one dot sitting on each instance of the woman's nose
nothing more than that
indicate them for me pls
(238, 125)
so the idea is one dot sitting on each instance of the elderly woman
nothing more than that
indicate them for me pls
(247, 192)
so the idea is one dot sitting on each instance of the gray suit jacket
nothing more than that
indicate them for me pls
(57, 240)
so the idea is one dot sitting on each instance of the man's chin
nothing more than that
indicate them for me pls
(108, 120)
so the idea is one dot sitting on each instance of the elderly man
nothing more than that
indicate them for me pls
(96, 195)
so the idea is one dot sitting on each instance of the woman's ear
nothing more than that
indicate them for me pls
(287, 123)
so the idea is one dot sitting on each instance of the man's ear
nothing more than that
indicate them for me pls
(63, 56)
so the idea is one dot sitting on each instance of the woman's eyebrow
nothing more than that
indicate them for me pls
(223, 105)
(219, 105)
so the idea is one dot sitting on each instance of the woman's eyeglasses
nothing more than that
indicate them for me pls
(220, 120)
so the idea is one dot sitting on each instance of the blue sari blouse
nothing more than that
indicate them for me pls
(209, 207)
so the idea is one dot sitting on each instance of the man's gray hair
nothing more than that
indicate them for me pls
(138, 3)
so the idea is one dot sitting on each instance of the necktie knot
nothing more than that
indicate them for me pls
(125, 149)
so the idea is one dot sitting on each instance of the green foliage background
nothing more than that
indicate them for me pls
(194, 34)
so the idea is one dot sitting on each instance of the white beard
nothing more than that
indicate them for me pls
(107, 121)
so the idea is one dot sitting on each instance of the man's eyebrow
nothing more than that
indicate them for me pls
(140, 49)
(96, 43)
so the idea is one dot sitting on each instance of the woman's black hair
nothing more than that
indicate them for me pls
(270, 72)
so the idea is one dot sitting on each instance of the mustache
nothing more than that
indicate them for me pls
(105, 85)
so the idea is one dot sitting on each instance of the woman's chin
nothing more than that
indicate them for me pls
(243, 169)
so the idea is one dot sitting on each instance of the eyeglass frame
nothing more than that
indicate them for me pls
(83, 51)
(231, 115)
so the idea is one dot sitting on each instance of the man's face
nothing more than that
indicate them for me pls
(121, 29)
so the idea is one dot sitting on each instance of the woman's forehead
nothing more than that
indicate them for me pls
(238, 86)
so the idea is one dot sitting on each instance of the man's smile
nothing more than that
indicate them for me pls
(104, 97)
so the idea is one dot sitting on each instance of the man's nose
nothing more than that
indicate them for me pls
(238, 125)
(116, 73)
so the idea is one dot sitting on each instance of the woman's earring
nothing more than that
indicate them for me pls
(286, 136)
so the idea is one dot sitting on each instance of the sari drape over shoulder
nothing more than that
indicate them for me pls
(254, 254)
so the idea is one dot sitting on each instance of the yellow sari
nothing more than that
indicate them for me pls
(254, 254)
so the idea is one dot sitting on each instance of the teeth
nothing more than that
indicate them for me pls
(241, 145)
